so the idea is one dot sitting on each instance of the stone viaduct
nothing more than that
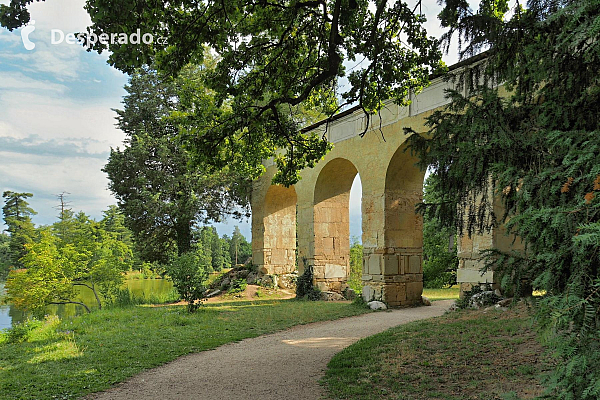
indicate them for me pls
(312, 217)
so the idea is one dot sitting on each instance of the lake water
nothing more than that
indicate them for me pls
(139, 287)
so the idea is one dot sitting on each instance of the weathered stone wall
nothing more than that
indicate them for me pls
(274, 228)
(470, 250)
(392, 186)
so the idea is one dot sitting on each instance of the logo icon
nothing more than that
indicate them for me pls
(25, 32)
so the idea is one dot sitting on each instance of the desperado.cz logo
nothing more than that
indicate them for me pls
(88, 40)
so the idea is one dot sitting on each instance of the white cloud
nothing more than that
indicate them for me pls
(11, 38)
(63, 61)
(19, 82)
(46, 176)
(67, 15)
(8, 130)
(61, 117)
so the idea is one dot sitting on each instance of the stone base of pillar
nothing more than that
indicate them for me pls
(394, 294)
(394, 276)
(276, 269)
(330, 277)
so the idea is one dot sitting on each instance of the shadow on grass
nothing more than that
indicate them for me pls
(92, 352)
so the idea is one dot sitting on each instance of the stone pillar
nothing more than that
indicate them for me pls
(305, 229)
(393, 273)
(330, 251)
(274, 230)
(470, 264)
(393, 258)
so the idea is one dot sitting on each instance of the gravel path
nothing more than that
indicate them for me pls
(284, 365)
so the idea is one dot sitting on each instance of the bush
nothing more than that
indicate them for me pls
(189, 277)
(356, 266)
(238, 286)
(305, 288)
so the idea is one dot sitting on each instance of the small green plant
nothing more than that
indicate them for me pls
(20, 333)
(238, 286)
(33, 329)
(305, 288)
(360, 302)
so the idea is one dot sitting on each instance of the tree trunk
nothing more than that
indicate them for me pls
(93, 289)
(184, 237)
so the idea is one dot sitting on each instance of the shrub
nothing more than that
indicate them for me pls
(305, 288)
(33, 329)
(238, 286)
(189, 277)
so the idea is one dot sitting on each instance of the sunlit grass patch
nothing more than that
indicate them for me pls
(74, 357)
(442, 294)
(460, 356)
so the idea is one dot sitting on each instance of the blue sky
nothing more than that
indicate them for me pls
(56, 122)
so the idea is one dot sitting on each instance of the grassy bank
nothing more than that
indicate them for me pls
(462, 355)
(442, 294)
(70, 358)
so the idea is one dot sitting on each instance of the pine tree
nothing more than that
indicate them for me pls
(17, 216)
(534, 144)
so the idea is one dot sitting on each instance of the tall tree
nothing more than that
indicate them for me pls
(534, 144)
(17, 216)
(274, 55)
(5, 260)
(65, 227)
(235, 243)
(238, 247)
(159, 194)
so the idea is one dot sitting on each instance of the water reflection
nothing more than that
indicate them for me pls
(139, 287)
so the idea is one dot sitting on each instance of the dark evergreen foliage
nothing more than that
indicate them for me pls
(17, 216)
(534, 144)
(161, 196)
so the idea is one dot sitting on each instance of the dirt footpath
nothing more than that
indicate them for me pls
(284, 365)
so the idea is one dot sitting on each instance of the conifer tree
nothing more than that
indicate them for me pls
(534, 144)
(17, 216)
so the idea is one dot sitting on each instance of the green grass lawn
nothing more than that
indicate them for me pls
(70, 358)
(442, 294)
(462, 355)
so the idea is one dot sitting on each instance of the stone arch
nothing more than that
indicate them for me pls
(331, 260)
(275, 247)
(394, 272)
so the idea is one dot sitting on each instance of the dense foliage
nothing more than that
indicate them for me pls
(274, 57)
(356, 265)
(74, 252)
(189, 276)
(17, 217)
(161, 197)
(4, 255)
(440, 258)
(533, 144)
